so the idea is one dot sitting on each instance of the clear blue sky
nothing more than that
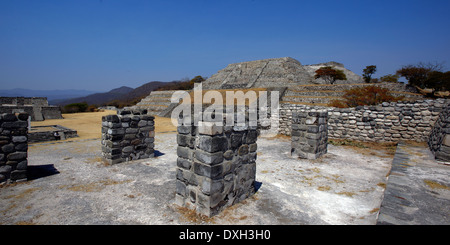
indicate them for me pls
(103, 44)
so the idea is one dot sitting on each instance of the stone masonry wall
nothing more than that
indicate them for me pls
(13, 147)
(439, 141)
(127, 137)
(387, 122)
(216, 166)
(309, 133)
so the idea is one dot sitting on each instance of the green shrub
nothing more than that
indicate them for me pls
(75, 107)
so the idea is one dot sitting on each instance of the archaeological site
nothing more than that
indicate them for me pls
(303, 162)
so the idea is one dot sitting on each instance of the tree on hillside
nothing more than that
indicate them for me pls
(390, 78)
(439, 81)
(329, 74)
(419, 75)
(368, 72)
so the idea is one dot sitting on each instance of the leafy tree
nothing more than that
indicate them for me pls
(389, 78)
(439, 81)
(419, 75)
(329, 74)
(368, 72)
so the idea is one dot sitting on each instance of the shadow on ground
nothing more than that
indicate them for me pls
(40, 171)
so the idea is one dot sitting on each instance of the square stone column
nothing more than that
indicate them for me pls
(309, 133)
(127, 137)
(216, 166)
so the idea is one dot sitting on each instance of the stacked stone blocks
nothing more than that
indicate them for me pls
(127, 137)
(309, 133)
(13, 147)
(386, 122)
(439, 141)
(216, 166)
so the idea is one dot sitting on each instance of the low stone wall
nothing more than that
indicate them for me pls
(309, 133)
(13, 147)
(439, 141)
(216, 166)
(127, 137)
(387, 122)
(47, 133)
(36, 107)
(51, 112)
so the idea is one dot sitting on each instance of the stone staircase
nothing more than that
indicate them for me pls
(157, 103)
(322, 94)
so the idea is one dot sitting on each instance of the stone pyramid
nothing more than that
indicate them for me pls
(278, 72)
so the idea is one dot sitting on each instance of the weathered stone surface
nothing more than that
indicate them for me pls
(439, 140)
(210, 172)
(19, 139)
(279, 72)
(311, 143)
(387, 122)
(13, 147)
(127, 136)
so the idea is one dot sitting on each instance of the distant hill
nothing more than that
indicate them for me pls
(140, 92)
(97, 98)
(50, 94)
(119, 97)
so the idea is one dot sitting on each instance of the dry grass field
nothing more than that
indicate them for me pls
(88, 124)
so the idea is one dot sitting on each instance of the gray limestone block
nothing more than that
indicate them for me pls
(212, 144)
(128, 149)
(236, 140)
(116, 131)
(8, 148)
(228, 155)
(252, 136)
(22, 165)
(112, 118)
(184, 129)
(15, 156)
(184, 163)
(253, 147)
(209, 158)
(243, 149)
(5, 170)
(18, 175)
(210, 128)
(183, 152)
(209, 186)
(181, 188)
(208, 171)
(19, 139)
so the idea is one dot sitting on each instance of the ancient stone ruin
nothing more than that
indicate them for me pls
(439, 140)
(36, 107)
(127, 137)
(13, 147)
(50, 133)
(279, 72)
(216, 165)
(309, 133)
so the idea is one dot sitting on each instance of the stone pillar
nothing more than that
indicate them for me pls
(439, 140)
(309, 133)
(127, 137)
(13, 147)
(216, 166)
